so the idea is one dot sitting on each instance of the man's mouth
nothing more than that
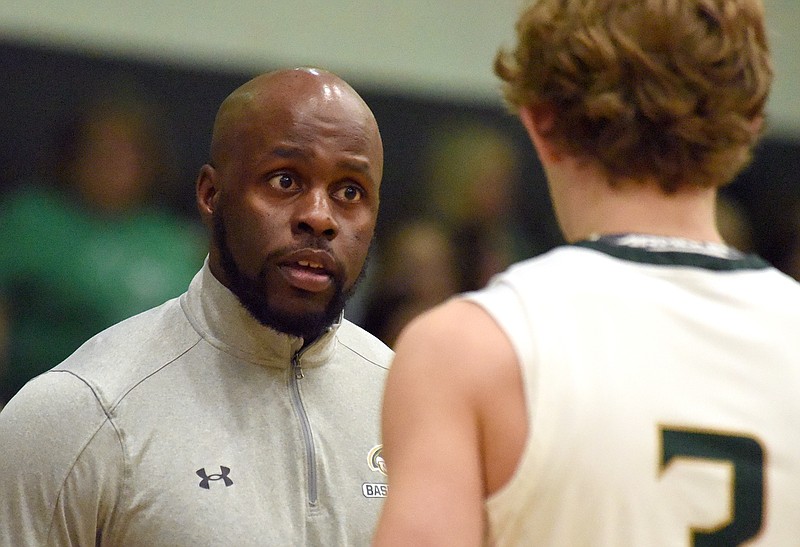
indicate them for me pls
(307, 275)
(309, 264)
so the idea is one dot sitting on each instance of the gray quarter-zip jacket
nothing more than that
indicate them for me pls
(193, 425)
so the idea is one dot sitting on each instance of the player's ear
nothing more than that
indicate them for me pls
(206, 192)
(538, 122)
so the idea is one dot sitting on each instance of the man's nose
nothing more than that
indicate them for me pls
(315, 215)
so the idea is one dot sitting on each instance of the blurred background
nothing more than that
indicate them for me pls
(462, 196)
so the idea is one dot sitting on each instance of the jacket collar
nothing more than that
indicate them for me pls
(216, 314)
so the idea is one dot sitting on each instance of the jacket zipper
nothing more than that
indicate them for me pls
(311, 456)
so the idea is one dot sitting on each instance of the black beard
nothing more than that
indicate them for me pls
(251, 294)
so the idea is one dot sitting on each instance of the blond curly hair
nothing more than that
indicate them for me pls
(671, 89)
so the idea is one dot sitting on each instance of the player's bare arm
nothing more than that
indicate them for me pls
(436, 423)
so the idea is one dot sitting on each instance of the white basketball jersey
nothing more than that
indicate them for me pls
(662, 379)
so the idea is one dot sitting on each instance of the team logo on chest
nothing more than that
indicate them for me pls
(376, 463)
(375, 460)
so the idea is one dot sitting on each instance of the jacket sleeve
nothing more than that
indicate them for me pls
(61, 464)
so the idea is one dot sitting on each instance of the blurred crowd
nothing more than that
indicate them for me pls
(86, 241)
(91, 239)
(466, 229)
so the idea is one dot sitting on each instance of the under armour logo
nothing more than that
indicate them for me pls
(222, 475)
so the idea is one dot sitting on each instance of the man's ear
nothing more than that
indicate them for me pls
(538, 122)
(206, 192)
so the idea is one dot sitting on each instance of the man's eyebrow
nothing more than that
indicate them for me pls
(297, 152)
(289, 152)
(352, 165)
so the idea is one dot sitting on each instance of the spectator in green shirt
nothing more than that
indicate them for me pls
(85, 246)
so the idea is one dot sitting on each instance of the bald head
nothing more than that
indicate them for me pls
(278, 93)
(295, 175)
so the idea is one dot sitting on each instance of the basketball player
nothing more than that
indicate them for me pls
(639, 385)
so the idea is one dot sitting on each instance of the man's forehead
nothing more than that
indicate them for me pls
(284, 99)
(263, 105)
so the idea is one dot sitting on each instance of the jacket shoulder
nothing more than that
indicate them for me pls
(366, 345)
(115, 360)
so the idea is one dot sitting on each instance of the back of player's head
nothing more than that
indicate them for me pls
(666, 89)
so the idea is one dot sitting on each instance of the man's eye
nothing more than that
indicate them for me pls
(350, 193)
(282, 181)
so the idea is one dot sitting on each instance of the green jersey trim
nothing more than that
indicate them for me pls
(664, 251)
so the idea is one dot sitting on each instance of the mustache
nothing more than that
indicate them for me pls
(309, 242)
(314, 244)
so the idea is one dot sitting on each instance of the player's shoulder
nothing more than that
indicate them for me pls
(458, 335)
(455, 320)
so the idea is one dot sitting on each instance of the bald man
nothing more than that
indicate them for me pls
(246, 411)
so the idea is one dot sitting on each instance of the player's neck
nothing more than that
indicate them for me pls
(595, 208)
